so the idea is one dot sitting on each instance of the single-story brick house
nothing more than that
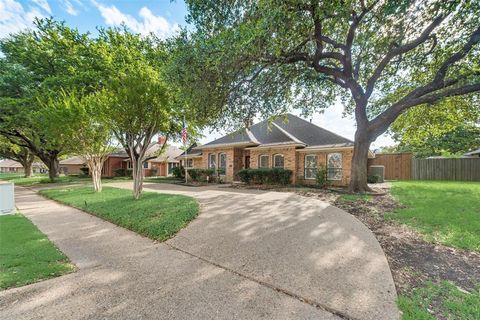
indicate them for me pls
(11, 166)
(155, 166)
(288, 142)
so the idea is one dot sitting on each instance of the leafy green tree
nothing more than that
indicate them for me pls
(14, 152)
(86, 131)
(139, 104)
(452, 127)
(38, 63)
(380, 57)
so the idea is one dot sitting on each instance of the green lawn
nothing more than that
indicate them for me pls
(449, 303)
(155, 215)
(20, 180)
(26, 254)
(446, 212)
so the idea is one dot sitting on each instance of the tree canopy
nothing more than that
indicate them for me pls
(379, 57)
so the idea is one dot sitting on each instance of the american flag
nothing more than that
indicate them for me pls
(184, 133)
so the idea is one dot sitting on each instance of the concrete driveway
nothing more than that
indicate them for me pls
(249, 255)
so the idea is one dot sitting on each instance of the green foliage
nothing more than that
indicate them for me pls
(443, 299)
(448, 128)
(443, 212)
(321, 177)
(178, 172)
(26, 254)
(121, 172)
(200, 175)
(261, 57)
(373, 178)
(265, 176)
(84, 171)
(154, 215)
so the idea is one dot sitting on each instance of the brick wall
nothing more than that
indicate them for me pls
(289, 154)
(347, 155)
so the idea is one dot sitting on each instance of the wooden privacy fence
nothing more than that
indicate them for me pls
(466, 169)
(398, 166)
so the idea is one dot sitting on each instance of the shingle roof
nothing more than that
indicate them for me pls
(73, 160)
(288, 129)
(191, 152)
(7, 163)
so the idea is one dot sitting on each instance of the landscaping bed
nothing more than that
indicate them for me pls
(154, 215)
(26, 254)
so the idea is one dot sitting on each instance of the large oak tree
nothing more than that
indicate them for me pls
(380, 57)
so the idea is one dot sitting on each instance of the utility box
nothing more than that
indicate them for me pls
(7, 198)
(377, 170)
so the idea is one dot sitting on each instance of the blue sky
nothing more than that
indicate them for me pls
(162, 17)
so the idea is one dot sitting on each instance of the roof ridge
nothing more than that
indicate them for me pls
(313, 124)
(288, 134)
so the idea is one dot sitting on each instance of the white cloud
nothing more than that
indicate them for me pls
(44, 5)
(148, 22)
(69, 7)
(14, 17)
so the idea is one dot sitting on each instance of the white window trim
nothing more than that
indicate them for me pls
(305, 166)
(341, 168)
(210, 163)
(273, 160)
(260, 161)
(129, 164)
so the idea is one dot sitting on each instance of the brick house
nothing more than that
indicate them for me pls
(288, 142)
(155, 165)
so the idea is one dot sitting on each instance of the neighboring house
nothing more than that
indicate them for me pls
(473, 154)
(10, 166)
(154, 166)
(288, 142)
(14, 166)
(72, 165)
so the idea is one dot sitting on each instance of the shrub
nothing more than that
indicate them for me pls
(265, 176)
(121, 172)
(202, 174)
(84, 171)
(321, 177)
(178, 172)
(373, 178)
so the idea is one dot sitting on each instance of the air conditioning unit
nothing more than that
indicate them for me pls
(377, 170)
(7, 198)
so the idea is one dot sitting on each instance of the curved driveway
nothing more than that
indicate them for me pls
(249, 255)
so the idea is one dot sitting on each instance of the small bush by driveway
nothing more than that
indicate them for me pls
(157, 216)
(26, 255)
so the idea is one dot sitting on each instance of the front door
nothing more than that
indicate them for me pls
(247, 162)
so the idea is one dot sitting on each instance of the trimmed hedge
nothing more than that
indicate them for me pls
(265, 176)
(201, 174)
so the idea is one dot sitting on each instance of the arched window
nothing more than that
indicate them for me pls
(222, 163)
(263, 161)
(278, 161)
(334, 166)
(310, 166)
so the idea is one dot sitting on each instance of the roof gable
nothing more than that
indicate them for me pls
(287, 129)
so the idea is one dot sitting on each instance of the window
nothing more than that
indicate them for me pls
(334, 166)
(145, 165)
(310, 166)
(129, 164)
(278, 161)
(212, 162)
(222, 163)
(263, 161)
(188, 163)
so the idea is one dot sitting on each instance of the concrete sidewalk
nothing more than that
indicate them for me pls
(249, 255)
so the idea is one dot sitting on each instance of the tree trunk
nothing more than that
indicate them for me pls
(53, 167)
(358, 182)
(28, 167)
(137, 177)
(95, 166)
